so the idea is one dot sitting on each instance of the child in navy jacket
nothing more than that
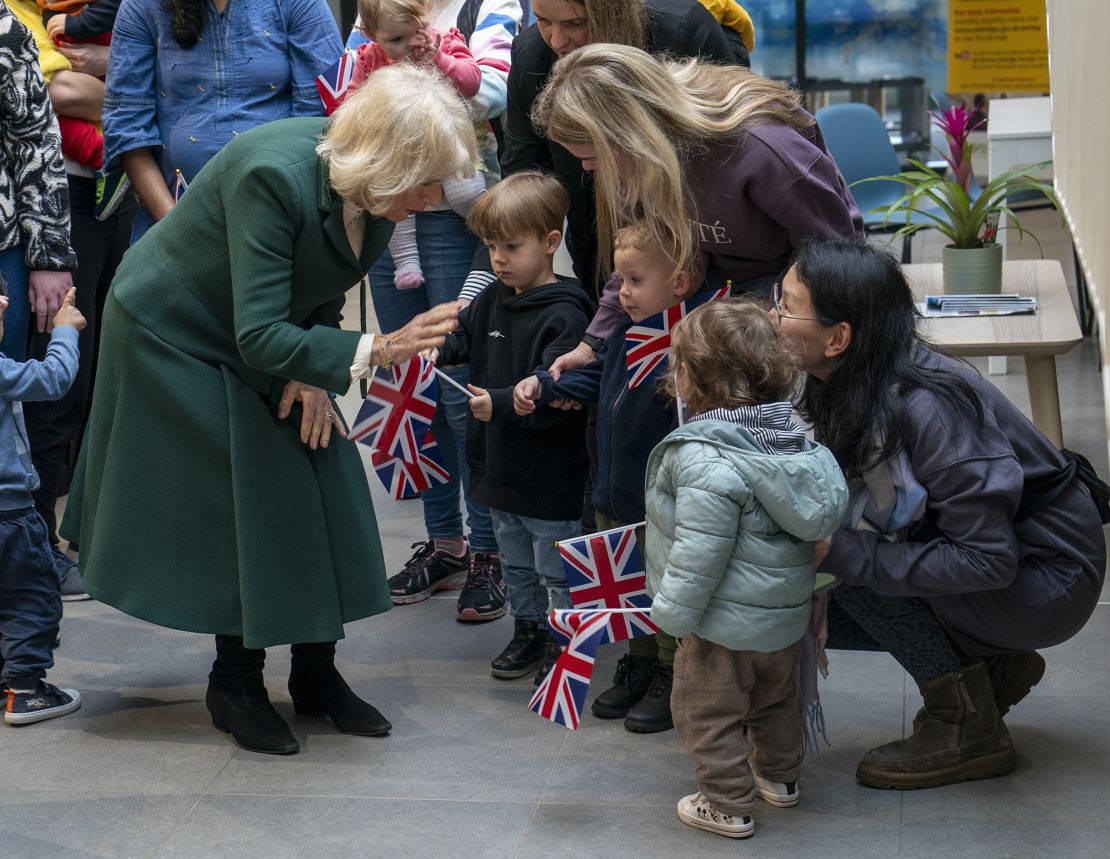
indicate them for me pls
(630, 422)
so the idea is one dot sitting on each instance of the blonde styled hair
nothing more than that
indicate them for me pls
(731, 355)
(404, 127)
(373, 13)
(651, 117)
(525, 202)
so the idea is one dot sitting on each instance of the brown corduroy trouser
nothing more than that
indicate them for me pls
(718, 693)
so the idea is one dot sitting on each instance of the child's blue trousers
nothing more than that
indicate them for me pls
(30, 599)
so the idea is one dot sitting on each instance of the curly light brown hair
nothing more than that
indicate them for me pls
(730, 355)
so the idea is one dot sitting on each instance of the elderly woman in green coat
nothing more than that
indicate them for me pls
(215, 492)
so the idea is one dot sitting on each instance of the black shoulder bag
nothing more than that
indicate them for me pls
(1038, 494)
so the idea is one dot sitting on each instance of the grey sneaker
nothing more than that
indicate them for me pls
(69, 574)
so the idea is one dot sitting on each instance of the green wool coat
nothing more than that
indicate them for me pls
(193, 505)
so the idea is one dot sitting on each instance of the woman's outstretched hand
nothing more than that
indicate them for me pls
(575, 359)
(318, 420)
(421, 334)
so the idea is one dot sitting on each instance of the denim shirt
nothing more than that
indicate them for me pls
(255, 63)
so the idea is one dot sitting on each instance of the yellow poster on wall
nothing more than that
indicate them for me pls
(997, 46)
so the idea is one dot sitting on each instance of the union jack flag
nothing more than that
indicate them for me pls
(398, 409)
(605, 571)
(334, 83)
(562, 694)
(179, 185)
(648, 341)
(405, 479)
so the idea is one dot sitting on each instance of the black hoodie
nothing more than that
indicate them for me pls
(535, 465)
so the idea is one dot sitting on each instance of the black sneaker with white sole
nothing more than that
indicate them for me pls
(45, 702)
(483, 597)
(427, 571)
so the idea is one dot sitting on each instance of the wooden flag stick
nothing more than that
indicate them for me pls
(451, 381)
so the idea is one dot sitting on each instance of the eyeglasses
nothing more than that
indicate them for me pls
(776, 300)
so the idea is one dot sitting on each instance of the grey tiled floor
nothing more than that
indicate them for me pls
(139, 771)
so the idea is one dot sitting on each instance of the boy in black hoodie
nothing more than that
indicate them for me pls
(529, 470)
(630, 423)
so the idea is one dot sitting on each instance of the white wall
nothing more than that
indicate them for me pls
(1079, 65)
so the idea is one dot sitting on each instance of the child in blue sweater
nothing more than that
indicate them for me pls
(30, 593)
(630, 422)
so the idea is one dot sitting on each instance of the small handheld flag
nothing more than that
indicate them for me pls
(562, 693)
(179, 185)
(605, 571)
(334, 83)
(406, 479)
(648, 342)
(398, 409)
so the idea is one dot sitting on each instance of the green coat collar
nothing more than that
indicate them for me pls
(332, 204)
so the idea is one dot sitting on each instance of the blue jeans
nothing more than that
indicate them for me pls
(446, 251)
(30, 599)
(531, 564)
(17, 317)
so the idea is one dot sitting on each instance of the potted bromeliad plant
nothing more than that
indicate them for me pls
(950, 204)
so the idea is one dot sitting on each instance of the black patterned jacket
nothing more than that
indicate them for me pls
(34, 196)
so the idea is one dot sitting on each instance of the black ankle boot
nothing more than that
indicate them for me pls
(238, 702)
(630, 682)
(551, 652)
(247, 714)
(652, 713)
(318, 689)
(524, 653)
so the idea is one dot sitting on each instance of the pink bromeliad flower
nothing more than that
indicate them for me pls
(956, 123)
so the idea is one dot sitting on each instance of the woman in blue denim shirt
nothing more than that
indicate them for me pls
(186, 76)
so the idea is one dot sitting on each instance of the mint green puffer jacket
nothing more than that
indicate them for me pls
(730, 534)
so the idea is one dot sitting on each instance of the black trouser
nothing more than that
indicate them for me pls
(236, 664)
(904, 627)
(53, 427)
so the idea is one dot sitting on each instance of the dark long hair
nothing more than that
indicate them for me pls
(862, 400)
(188, 18)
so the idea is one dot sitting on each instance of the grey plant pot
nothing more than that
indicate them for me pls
(972, 270)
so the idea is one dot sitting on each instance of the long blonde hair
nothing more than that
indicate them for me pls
(404, 127)
(647, 118)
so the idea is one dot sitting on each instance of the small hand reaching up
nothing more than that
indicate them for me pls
(68, 314)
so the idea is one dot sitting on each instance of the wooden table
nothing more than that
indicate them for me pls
(1038, 338)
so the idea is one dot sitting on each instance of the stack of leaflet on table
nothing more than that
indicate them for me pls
(977, 305)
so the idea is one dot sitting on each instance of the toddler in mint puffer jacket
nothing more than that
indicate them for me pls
(736, 499)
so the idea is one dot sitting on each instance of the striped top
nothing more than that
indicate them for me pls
(775, 433)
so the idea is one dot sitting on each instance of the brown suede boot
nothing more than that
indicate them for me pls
(961, 739)
(1013, 676)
